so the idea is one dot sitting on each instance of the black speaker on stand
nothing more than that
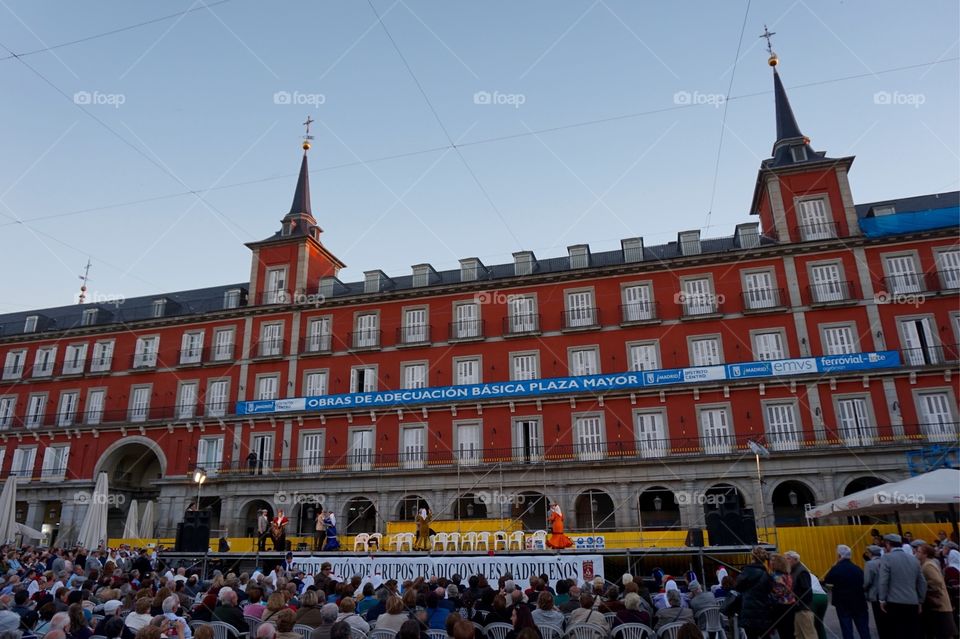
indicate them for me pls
(193, 535)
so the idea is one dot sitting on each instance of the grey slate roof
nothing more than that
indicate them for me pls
(917, 203)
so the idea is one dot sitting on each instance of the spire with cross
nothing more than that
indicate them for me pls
(768, 34)
(307, 138)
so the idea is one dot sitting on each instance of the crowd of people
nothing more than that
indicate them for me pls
(131, 594)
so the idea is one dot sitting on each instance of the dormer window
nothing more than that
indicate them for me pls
(470, 269)
(371, 281)
(748, 235)
(89, 317)
(523, 263)
(422, 274)
(690, 243)
(579, 256)
(158, 308)
(798, 153)
(632, 249)
(231, 298)
(30, 325)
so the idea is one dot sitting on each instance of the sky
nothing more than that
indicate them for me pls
(442, 130)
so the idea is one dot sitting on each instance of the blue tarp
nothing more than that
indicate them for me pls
(909, 222)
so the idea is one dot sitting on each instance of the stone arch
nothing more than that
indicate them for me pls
(658, 515)
(359, 516)
(595, 511)
(790, 498)
(408, 506)
(130, 440)
(248, 514)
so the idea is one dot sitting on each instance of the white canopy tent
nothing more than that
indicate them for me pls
(9, 528)
(131, 529)
(93, 530)
(936, 490)
(146, 522)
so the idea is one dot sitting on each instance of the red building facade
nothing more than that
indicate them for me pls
(149, 389)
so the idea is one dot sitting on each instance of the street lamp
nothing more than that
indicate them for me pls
(199, 476)
(759, 451)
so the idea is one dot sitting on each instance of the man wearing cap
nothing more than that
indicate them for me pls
(110, 609)
(901, 588)
(698, 598)
(871, 586)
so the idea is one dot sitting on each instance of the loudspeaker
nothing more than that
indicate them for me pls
(716, 530)
(197, 518)
(193, 535)
(694, 538)
(748, 528)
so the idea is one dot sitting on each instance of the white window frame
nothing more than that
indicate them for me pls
(74, 359)
(361, 453)
(414, 374)
(715, 443)
(590, 446)
(92, 412)
(187, 400)
(8, 408)
(139, 411)
(466, 325)
(650, 432)
(522, 314)
(476, 362)
(191, 347)
(271, 339)
(583, 360)
(527, 438)
(637, 301)
(30, 324)
(275, 285)
(413, 456)
(210, 454)
(947, 259)
(757, 297)
(912, 331)
(263, 386)
(231, 298)
(316, 382)
(415, 327)
(940, 426)
(902, 272)
(36, 410)
(862, 431)
(319, 334)
(823, 228)
(220, 351)
(782, 425)
(699, 357)
(55, 461)
(370, 377)
(24, 462)
(214, 405)
(67, 405)
(14, 363)
(637, 363)
(468, 451)
(697, 303)
(311, 461)
(829, 347)
(527, 357)
(145, 351)
(759, 341)
(102, 358)
(580, 309)
(44, 361)
(828, 290)
(366, 327)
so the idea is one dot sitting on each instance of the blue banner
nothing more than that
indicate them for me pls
(583, 384)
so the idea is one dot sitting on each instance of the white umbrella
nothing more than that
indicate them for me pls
(131, 529)
(146, 522)
(28, 532)
(928, 491)
(93, 530)
(8, 510)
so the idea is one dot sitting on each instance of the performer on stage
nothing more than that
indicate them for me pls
(557, 539)
(423, 530)
(330, 521)
(263, 530)
(320, 531)
(279, 531)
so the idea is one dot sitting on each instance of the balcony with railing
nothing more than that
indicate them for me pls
(580, 318)
(267, 348)
(521, 324)
(700, 306)
(949, 279)
(639, 313)
(932, 355)
(826, 293)
(464, 330)
(12, 372)
(815, 231)
(316, 344)
(144, 361)
(763, 299)
(365, 339)
(192, 356)
(907, 284)
(413, 335)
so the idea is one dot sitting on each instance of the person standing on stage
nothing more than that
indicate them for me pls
(280, 531)
(320, 530)
(330, 521)
(423, 530)
(263, 530)
(557, 539)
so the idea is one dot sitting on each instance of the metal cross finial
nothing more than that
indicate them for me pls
(307, 124)
(768, 34)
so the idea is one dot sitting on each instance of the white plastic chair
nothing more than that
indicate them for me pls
(633, 631)
(610, 617)
(361, 540)
(670, 630)
(434, 633)
(585, 631)
(377, 537)
(497, 630)
(383, 633)
(469, 538)
(549, 631)
(453, 539)
(483, 538)
(516, 537)
(252, 623)
(301, 629)
(439, 539)
(500, 537)
(708, 619)
(402, 539)
(541, 537)
(356, 633)
(223, 630)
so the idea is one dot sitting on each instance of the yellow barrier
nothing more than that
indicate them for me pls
(817, 545)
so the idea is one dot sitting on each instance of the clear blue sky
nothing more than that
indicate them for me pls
(198, 97)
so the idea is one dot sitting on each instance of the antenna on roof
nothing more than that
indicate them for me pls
(84, 278)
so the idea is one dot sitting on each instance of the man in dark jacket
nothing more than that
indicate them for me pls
(804, 620)
(848, 598)
(142, 564)
(902, 588)
(754, 584)
(228, 612)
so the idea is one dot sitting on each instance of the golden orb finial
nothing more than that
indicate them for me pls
(773, 60)
(305, 145)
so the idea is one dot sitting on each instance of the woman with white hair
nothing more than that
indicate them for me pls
(674, 611)
(557, 539)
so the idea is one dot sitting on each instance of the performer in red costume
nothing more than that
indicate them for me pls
(279, 531)
(557, 539)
